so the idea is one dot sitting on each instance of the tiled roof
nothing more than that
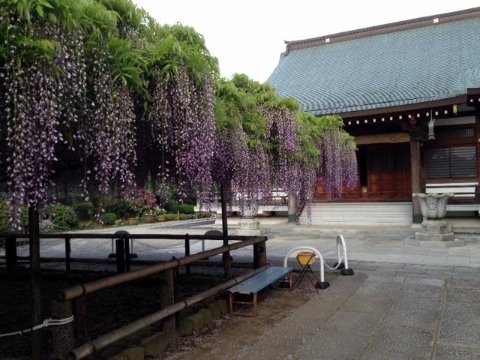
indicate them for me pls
(383, 68)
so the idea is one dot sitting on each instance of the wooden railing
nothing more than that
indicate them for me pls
(72, 340)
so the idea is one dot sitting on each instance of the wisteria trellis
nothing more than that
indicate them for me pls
(77, 75)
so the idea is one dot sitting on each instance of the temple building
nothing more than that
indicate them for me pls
(409, 92)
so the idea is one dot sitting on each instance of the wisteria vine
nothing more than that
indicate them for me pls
(184, 123)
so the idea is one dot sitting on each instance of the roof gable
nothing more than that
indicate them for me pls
(412, 66)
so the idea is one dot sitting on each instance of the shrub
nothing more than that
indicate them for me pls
(203, 215)
(109, 218)
(138, 201)
(172, 206)
(186, 208)
(84, 210)
(4, 216)
(63, 217)
(184, 217)
(171, 217)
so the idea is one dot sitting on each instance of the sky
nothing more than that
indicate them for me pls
(248, 36)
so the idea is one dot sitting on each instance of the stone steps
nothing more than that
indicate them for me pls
(359, 214)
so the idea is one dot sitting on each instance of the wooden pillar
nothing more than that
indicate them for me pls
(417, 186)
(34, 242)
(477, 133)
(167, 297)
(120, 255)
(292, 217)
(227, 260)
(11, 252)
(62, 336)
(259, 255)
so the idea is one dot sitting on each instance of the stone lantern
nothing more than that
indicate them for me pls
(435, 230)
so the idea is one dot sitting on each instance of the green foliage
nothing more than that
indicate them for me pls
(171, 206)
(109, 218)
(174, 217)
(186, 209)
(84, 210)
(171, 217)
(311, 131)
(4, 216)
(63, 217)
(122, 209)
(181, 46)
(203, 215)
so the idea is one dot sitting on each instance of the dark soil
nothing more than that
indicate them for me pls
(225, 339)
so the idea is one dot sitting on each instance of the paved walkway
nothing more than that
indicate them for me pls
(384, 311)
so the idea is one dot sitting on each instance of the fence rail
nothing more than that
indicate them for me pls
(72, 339)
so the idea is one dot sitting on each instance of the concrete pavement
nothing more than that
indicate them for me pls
(384, 311)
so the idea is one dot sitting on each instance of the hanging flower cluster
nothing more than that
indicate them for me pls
(278, 151)
(110, 134)
(338, 163)
(32, 124)
(184, 123)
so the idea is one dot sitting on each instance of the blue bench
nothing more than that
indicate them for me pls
(250, 288)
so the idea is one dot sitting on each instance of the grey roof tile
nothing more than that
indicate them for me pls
(412, 66)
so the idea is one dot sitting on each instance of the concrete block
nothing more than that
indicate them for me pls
(249, 224)
(215, 310)
(460, 332)
(207, 316)
(186, 326)
(120, 356)
(134, 353)
(155, 344)
(444, 352)
(434, 236)
(198, 321)
(224, 307)
(400, 342)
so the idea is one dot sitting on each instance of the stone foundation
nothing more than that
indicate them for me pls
(435, 233)
(249, 227)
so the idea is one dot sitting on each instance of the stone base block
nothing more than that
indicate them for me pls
(133, 353)
(249, 224)
(436, 226)
(223, 305)
(259, 232)
(434, 236)
(434, 244)
(249, 227)
(155, 344)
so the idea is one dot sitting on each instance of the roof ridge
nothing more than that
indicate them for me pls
(383, 29)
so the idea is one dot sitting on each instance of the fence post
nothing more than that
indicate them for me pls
(120, 255)
(167, 297)
(62, 336)
(259, 255)
(11, 251)
(68, 250)
(187, 252)
(80, 313)
(126, 245)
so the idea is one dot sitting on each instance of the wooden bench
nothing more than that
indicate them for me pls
(246, 292)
